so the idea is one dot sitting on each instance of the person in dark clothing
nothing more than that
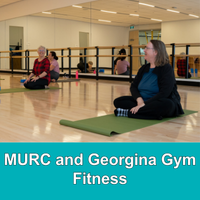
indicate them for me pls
(154, 91)
(81, 66)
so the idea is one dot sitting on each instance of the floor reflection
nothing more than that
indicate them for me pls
(43, 103)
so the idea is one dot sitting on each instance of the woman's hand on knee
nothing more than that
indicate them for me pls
(27, 80)
(35, 79)
(135, 109)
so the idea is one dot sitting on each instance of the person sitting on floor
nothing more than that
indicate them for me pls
(41, 71)
(122, 66)
(181, 66)
(154, 91)
(115, 63)
(89, 67)
(54, 66)
(81, 66)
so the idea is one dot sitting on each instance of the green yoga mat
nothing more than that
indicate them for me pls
(110, 124)
(68, 80)
(13, 90)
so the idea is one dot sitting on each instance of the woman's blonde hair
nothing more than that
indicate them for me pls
(162, 57)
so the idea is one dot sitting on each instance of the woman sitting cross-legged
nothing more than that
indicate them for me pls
(41, 71)
(154, 91)
(54, 66)
(122, 66)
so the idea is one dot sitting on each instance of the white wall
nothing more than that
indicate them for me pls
(187, 31)
(58, 33)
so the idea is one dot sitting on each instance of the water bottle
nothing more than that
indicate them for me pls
(196, 72)
(192, 72)
(77, 74)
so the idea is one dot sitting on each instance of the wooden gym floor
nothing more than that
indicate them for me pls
(34, 116)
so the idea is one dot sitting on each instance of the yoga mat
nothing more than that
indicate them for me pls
(110, 124)
(68, 80)
(13, 90)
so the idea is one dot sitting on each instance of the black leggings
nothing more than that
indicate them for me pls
(125, 73)
(154, 110)
(39, 84)
(54, 75)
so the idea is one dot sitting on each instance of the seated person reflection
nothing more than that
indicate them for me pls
(41, 71)
(81, 66)
(154, 91)
(54, 66)
(115, 62)
(181, 66)
(122, 66)
(43, 105)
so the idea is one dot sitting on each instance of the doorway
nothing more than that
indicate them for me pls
(84, 42)
(144, 37)
(16, 43)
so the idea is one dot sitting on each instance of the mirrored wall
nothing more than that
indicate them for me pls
(105, 23)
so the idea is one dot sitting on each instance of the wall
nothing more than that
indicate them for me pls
(187, 31)
(58, 33)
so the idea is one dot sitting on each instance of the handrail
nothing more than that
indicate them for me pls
(187, 55)
(97, 54)
(110, 47)
(18, 51)
(56, 49)
(120, 56)
(5, 51)
(104, 47)
(185, 44)
(79, 56)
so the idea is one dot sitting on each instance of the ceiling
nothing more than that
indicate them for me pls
(90, 12)
(7, 2)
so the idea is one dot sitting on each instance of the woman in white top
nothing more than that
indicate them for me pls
(54, 66)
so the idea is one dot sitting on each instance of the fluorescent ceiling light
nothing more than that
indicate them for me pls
(47, 13)
(173, 11)
(144, 4)
(134, 14)
(193, 15)
(76, 6)
(156, 20)
(101, 20)
(109, 11)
